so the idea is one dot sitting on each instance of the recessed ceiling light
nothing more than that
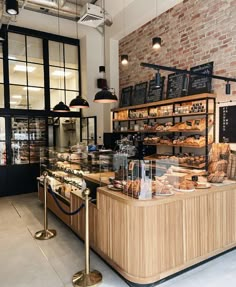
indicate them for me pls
(13, 102)
(61, 73)
(34, 89)
(23, 68)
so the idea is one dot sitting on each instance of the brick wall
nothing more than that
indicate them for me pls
(193, 32)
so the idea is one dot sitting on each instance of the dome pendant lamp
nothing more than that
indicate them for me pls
(60, 107)
(79, 103)
(105, 97)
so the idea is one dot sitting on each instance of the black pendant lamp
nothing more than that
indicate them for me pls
(61, 108)
(105, 97)
(79, 103)
(156, 43)
(12, 7)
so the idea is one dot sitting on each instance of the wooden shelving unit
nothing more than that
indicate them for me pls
(175, 109)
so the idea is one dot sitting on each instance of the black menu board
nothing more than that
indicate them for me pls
(200, 84)
(175, 86)
(155, 94)
(227, 132)
(139, 95)
(126, 94)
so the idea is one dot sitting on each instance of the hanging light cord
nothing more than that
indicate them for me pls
(59, 34)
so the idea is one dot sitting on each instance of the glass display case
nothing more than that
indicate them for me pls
(68, 167)
(28, 135)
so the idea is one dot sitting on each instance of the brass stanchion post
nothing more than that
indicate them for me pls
(46, 233)
(86, 277)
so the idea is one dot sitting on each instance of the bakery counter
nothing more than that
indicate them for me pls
(148, 240)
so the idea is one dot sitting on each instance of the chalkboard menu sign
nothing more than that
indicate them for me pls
(227, 131)
(200, 84)
(139, 96)
(155, 94)
(175, 86)
(126, 94)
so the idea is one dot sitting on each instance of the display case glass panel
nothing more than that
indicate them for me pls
(28, 135)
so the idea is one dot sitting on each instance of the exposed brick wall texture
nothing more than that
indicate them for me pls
(193, 32)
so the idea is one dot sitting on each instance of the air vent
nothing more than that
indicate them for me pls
(91, 15)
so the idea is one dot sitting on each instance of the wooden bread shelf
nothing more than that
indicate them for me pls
(175, 145)
(162, 117)
(169, 102)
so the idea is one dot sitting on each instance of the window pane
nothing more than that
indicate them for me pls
(1, 71)
(56, 54)
(36, 98)
(2, 129)
(19, 129)
(20, 152)
(71, 56)
(36, 78)
(18, 97)
(1, 96)
(16, 43)
(70, 96)
(2, 153)
(34, 50)
(57, 76)
(72, 79)
(17, 71)
(57, 96)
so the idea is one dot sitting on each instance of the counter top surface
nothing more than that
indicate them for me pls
(228, 185)
(102, 177)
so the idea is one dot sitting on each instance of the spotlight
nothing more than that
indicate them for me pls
(12, 7)
(185, 84)
(158, 79)
(124, 59)
(156, 43)
(227, 88)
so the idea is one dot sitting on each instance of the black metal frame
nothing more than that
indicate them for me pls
(25, 174)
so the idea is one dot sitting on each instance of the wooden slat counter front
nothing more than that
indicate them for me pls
(146, 241)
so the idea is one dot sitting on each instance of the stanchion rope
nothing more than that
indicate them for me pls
(60, 207)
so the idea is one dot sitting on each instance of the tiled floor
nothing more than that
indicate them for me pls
(26, 262)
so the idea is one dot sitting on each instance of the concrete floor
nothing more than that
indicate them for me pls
(26, 262)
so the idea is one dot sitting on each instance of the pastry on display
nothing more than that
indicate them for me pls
(216, 177)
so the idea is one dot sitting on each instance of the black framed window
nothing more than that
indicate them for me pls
(26, 72)
(2, 141)
(64, 72)
(1, 80)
